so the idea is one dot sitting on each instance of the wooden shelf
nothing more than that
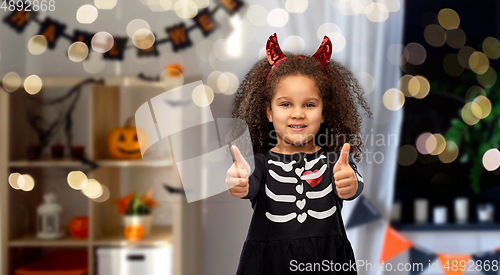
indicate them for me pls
(75, 163)
(448, 227)
(33, 241)
(159, 236)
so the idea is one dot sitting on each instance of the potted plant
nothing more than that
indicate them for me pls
(136, 211)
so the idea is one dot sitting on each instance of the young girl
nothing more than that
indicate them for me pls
(303, 116)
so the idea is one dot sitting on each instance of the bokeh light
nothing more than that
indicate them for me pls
(448, 19)
(86, 14)
(277, 18)
(440, 144)
(135, 25)
(104, 195)
(326, 29)
(166, 4)
(11, 81)
(421, 143)
(360, 6)
(294, 44)
(296, 6)
(471, 113)
(393, 99)
(203, 49)
(77, 180)
(484, 107)
(202, 95)
(212, 81)
(377, 12)
(367, 81)
(105, 4)
(415, 53)
(451, 65)
(478, 62)
(450, 153)
(102, 42)
(407, 155)
(143, 39)
(37, 44)
(78, 51)
(455, 38)
(338, 41)
(93, 189)
(473, 92)
(186, 9)
(221, 50)
(94, 63)
(391, 5)
(491, 47)
(14, 181)
(434, 35)
(463, 56)
(257, 15)
(33, 84)
(423, 87)
(395, 54)
(430, 144)
(29, 182)
(404, 85)
(488, 79)
(491, 159)
(227, 83)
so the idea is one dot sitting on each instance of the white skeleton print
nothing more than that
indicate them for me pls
(304, 175)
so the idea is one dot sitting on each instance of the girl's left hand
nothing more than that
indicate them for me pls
(345, 179)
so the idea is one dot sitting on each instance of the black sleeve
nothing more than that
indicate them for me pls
(255, 179)
(354, 167)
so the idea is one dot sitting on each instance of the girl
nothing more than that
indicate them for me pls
(300, 111)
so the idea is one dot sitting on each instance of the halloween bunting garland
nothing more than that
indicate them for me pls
(177, 34)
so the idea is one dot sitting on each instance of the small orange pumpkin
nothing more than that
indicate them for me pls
(134, 232)
(175, 70)
(79, 227)
(123, 142)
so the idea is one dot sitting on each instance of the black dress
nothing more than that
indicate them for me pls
(297, 226)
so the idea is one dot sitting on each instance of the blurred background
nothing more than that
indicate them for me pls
(76, 197)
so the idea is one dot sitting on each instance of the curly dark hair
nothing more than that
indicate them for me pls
(341, 93)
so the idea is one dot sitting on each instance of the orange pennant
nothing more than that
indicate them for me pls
(394, 244)
(453, 264)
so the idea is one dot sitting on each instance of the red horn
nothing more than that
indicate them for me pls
(324, 52)
(273, 51)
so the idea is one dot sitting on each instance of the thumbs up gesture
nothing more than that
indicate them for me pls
(345, 179)
(238, 175)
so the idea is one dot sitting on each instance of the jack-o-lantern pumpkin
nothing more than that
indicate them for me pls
(123, 142)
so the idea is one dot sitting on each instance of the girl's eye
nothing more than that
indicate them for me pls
(310, 105)
(285, 104)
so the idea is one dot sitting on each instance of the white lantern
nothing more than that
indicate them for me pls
(49, 218)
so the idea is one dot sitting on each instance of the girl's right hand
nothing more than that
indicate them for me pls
(238, 175)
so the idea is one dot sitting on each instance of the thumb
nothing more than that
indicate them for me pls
(240, 161)
(344, 155)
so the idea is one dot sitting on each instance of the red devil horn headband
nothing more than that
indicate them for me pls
(275, 55)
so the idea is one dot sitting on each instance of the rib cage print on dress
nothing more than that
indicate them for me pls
(296, 175)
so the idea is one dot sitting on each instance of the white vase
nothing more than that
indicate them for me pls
(143, 220)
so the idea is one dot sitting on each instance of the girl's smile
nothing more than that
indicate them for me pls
(296, 113)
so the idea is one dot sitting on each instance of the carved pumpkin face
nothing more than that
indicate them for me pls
(123, 143)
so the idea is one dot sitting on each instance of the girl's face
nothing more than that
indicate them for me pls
(296, 113)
